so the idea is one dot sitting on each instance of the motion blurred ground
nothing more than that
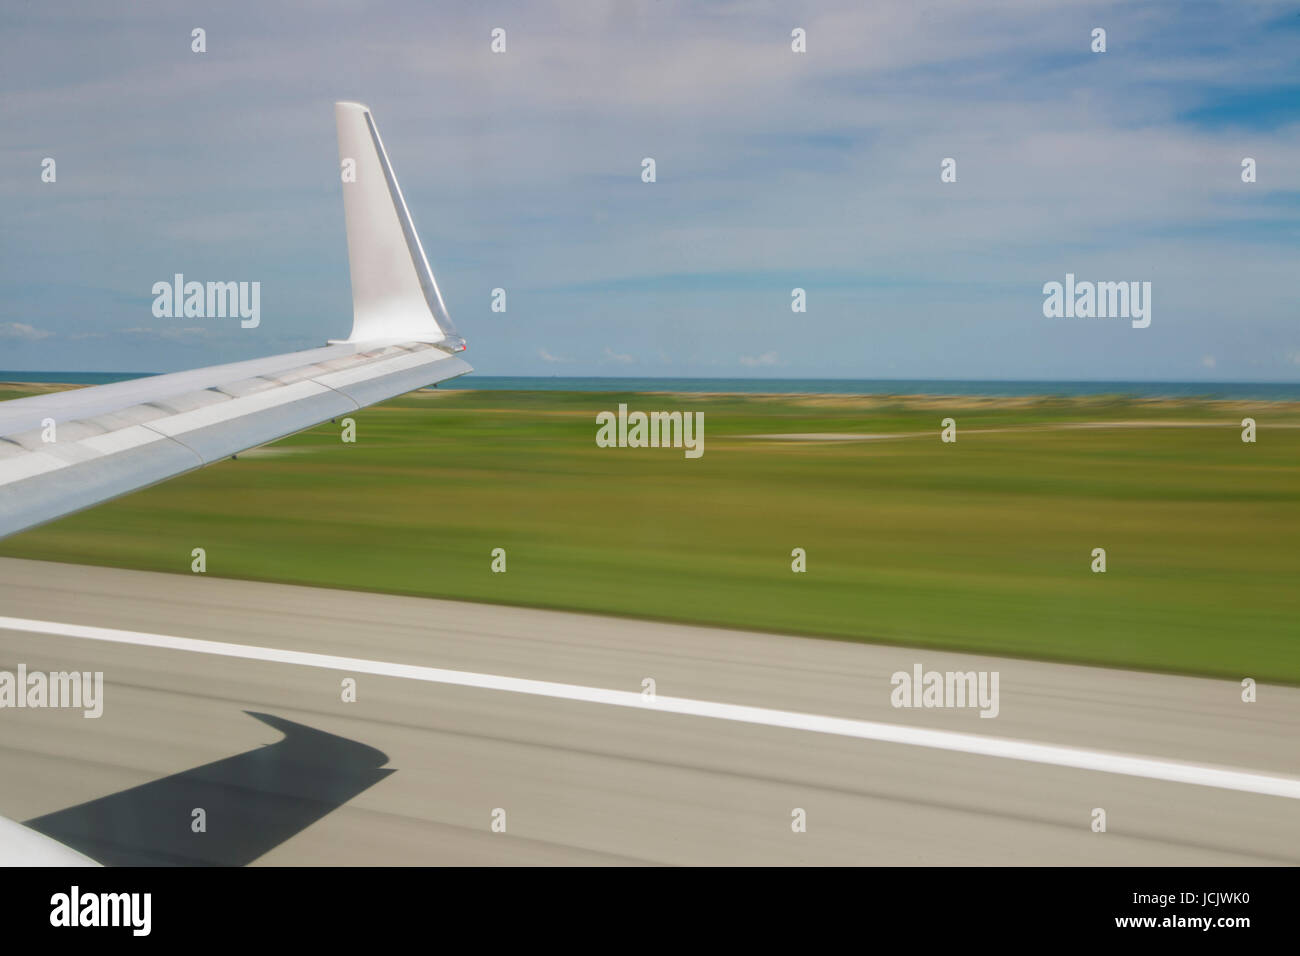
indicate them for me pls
(982, 545)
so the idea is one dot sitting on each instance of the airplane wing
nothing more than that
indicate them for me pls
(23, 846)
(63, 452)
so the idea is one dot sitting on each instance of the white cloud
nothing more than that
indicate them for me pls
(620, 357)
(187, 333)
(546, 356)
(23, 332)
(767, 359)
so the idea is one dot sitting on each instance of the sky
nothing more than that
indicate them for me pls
(774, 170)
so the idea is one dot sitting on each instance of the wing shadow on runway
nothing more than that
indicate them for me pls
(254, 802)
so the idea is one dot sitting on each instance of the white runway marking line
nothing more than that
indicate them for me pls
(1057, 755)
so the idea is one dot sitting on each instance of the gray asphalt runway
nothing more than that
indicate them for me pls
(412, 771)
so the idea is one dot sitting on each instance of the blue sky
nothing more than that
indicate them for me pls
(522, 171)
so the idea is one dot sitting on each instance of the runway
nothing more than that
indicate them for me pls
(418, 768)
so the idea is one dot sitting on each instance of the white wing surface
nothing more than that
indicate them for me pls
(66, 451)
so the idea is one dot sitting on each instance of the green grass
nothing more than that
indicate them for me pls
(983, 545)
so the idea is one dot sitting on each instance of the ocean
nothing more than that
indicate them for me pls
(1256, 391)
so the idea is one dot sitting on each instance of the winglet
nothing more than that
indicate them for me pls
(394, 294)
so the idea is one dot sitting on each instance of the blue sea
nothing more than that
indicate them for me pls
(1256, 391)
(71, 378)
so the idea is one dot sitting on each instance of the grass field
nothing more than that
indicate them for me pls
(981, 545)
